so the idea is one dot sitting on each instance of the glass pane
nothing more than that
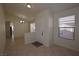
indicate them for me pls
(66, 33)
(32, 27)
(68, 21)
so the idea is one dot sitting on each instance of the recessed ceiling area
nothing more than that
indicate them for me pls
(21, 8)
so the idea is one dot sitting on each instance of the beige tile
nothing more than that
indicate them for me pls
(20, 49)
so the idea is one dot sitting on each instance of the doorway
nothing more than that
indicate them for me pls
(9, 30)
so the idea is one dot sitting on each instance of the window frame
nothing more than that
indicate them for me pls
(67, 27)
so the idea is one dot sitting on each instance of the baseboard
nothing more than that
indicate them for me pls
(73, 49)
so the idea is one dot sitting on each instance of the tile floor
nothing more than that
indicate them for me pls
(18, 48)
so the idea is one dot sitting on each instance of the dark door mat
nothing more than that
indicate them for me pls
(37, 44)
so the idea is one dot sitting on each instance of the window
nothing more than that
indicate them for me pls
(32, 27)
(67, 27)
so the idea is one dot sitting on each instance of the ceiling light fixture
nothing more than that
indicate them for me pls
(29, 5)
(21, 21)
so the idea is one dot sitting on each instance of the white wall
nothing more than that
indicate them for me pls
(44, 24)
(71, 44)
(20, 29)
(2, 31)
(29, 37)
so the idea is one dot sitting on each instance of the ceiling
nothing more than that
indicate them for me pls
(20, 9)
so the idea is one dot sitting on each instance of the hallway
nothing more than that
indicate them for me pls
(18, 48)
